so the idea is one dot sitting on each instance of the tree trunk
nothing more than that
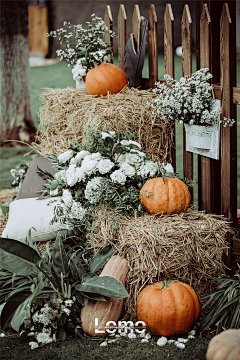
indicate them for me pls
(15, 108)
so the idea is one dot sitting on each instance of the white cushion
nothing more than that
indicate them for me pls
(30, 212)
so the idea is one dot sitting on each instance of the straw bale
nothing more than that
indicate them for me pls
(67, 113)
(170, 247)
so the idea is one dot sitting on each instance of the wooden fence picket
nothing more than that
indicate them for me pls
(152, 47)
(108, 19)
(228, 134)
(169, 57)
(186, 32)
(122, 35)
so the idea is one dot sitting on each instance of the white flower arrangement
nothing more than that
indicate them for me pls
(84, 48)
(189, 100)
(45, 320)
(110, 171)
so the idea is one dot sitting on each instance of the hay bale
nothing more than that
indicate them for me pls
(165, 248)
(67, 113)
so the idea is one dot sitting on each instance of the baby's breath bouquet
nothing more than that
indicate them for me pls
(84, 48)
(108, 170)
(189, 100)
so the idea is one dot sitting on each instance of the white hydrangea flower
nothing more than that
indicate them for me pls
(140, 153)
(149, 168)
(127, 169)
(168, 167)
(67, 198)
(118, 177)
(80, 174)
(67, 311)
(68, 302)
(64, 157)
(93, 190)
(120, 158)
(77, 211)
(124, 142)
(135, 143)
(79, 70)
(105, 165)
(132, 158)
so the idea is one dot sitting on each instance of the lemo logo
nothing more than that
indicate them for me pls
(121, 326)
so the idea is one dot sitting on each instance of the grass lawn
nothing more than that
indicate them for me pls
(89, 349)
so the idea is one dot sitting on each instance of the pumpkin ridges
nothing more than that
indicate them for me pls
(231, 338)
(105, 78)
(164, 199)
(167, 311)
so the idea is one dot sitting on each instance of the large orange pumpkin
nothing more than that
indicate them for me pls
(169, 198)
(105, 78)
(168, 308)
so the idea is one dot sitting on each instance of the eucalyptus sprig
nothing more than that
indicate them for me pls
(223, 305)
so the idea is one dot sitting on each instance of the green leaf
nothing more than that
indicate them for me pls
(17, 257)
(94, 296)
(11, 306)
(23, 309)
(80, 297)
(59, 258)
(5, 207)
(76, 268)
(62, 335)
(101, 258)
(103, 285)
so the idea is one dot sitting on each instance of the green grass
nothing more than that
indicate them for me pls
(89, 349)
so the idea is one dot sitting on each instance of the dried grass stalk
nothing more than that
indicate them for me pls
(68, 112)
(166, 247)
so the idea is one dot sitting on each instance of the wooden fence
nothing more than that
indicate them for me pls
(37, 29)
(216, 50)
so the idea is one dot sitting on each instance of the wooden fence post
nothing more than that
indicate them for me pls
(122, 35)
(186, 32)
(108, 19)
(169, 59)
(152, 47)
(228, 134)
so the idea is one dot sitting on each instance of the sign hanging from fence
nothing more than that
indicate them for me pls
(204, 140)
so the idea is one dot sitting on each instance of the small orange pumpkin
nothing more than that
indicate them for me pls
(168, 308)
(169, 198)
(105, 78)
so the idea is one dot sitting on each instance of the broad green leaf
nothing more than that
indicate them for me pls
(62, 335)
(5, 207)
(103, 285)
(23, 309)
(80, 297)
(101, 258)
(17, 257)
(76, 268)
(11, 306)
(59, 258)
(94, 296)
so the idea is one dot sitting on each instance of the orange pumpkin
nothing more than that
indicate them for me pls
(169, 198)
(105, 78)
(168, 308)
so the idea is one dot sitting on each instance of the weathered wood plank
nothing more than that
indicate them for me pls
(152, 47)
(186, 32)
(228, 134)
(108, 19)
(236, 245)
(235, 97)
(209, 170)
(136, 31)
(122, 35)
(38, 28)
(169, 57)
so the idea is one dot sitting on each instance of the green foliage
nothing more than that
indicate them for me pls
(223, 305)
(29, 277)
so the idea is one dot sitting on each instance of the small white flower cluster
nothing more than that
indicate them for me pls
(188, 100)
(47, 318)
(18, 174)
(84, 48)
